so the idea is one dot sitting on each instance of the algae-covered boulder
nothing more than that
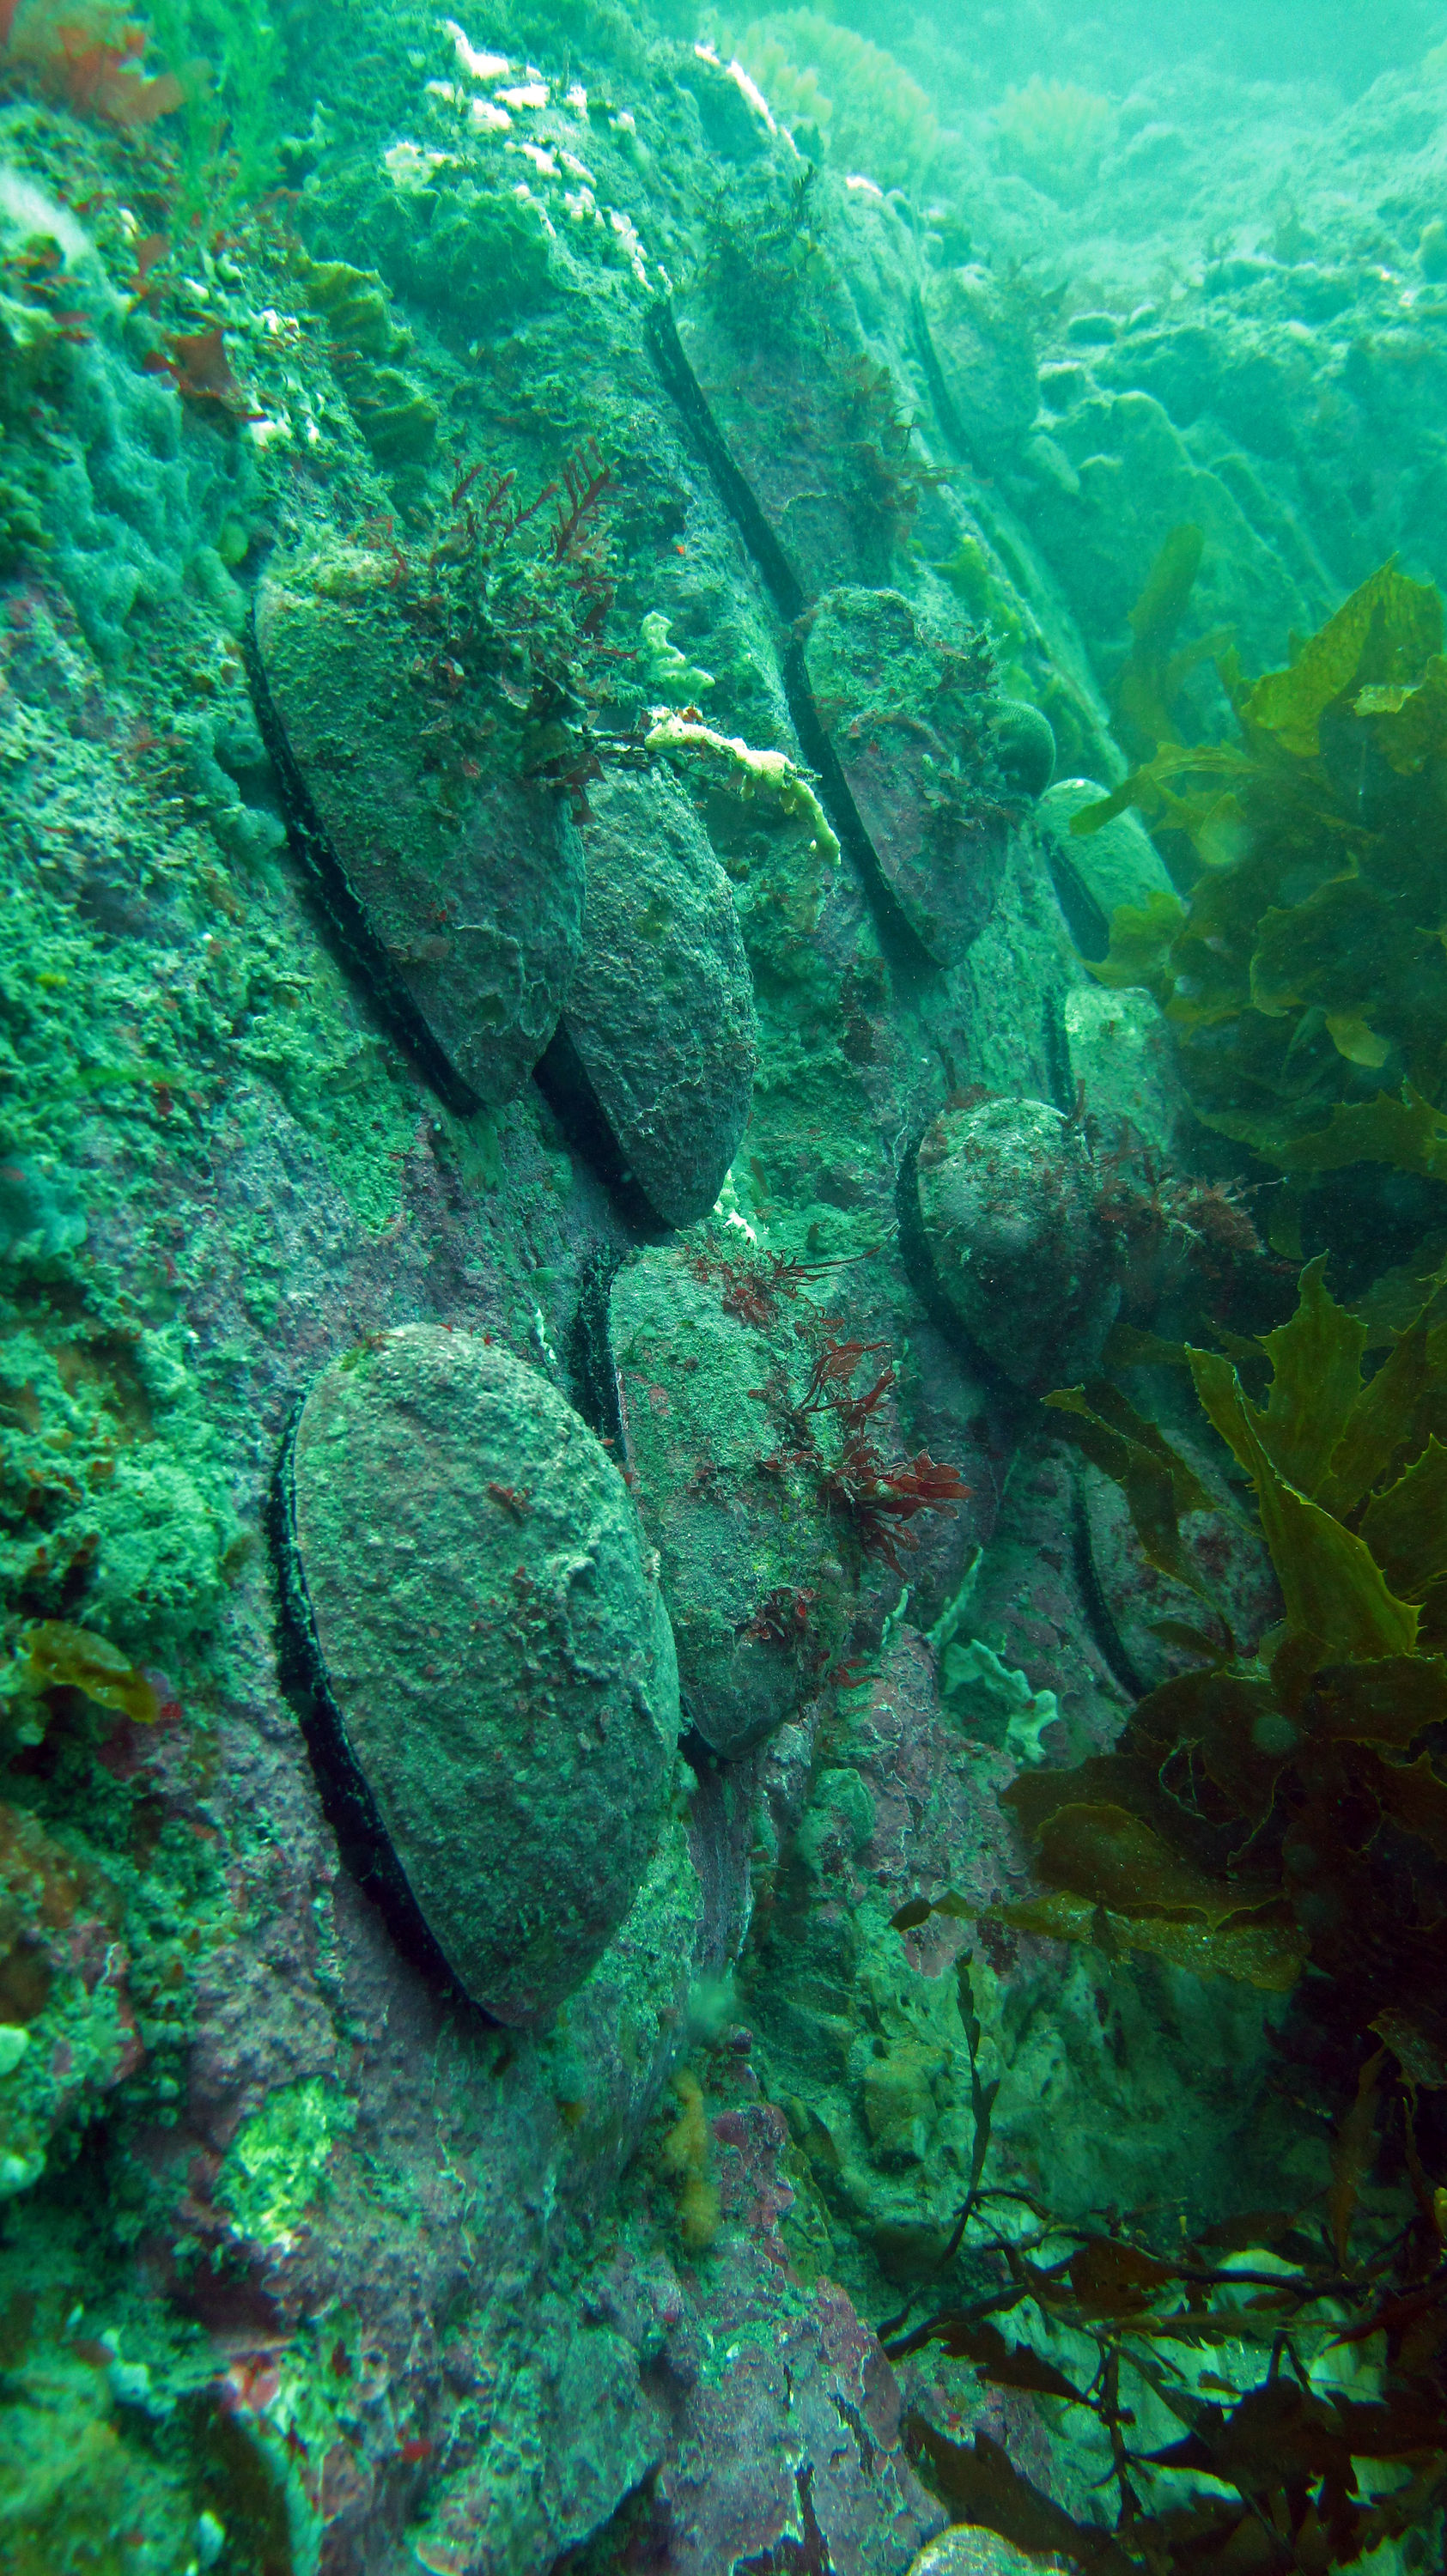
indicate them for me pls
(661, 1007)
(714, 1384)
(1024, 746)
(1007, 1201)
(496, 1682)
(969, 2549)
(461, 879)
(917, 734)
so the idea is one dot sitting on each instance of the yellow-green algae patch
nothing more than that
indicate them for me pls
(277, 2162)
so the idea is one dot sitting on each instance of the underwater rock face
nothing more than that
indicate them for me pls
(750, 1570)
(1005, 1195)
(661, 1005)
(67, 2026)
(1143, 1601)
(1113, 479)
(909, 721)
(40, 1212)
(467, 878)
(862, 2029)
(495, 1653)
(758, 2425)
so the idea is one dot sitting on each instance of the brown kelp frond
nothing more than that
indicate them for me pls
(1286, 1805)
(1237, 2342)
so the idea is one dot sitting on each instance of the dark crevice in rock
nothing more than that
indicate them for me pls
(909, 959)
(562, 1078)
(347, 1801)
(944, 410)
(802, 2553)
(363, 955)
(1100, 1618)
(1055, 1047)
(696, 1750)
(915, 1258)
(671, 361)
(864, 2441)
(591, 1368)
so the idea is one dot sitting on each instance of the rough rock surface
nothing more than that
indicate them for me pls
(495, 1659)
(859, 2028)
(467, 880)
(1159, 1627)
(660, 1007)
(1006, 1198)
(752, 2365)
(782, 2402)
(67, 2025)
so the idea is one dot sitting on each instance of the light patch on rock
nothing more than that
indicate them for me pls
(411, 167)
(476, 62)
(29, 213)
(627, 234)
(752, 93)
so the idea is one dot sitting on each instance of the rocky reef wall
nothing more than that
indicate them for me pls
(557, 1126)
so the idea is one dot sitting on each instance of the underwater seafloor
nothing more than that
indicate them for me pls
(723, 1346)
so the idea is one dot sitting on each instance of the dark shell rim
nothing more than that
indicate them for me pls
(311, 845)
(347, 1800)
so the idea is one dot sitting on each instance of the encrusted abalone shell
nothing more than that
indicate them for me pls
(460, 880)
(493, 1668)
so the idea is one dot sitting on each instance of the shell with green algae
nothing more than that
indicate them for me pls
(495, 1693)
(458, 880)
(1006, 1199)
(661, 1007)
(751, 1567)
(933, 763)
